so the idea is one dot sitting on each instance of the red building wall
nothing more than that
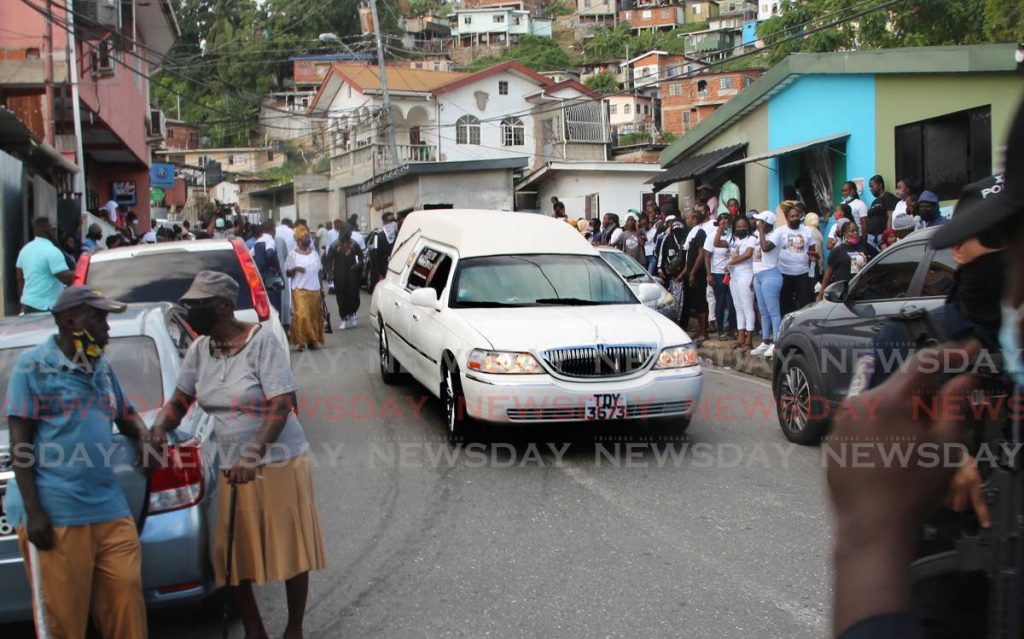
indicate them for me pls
(685, 96)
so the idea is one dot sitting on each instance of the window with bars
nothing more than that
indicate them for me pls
(513, 133)
(725, 83)
(502, 87)
(499, 18)
(467, 130)
(626, 108)
(613, 109)
(675, 89)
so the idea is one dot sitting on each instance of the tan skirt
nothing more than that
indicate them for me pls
(277, 529)
(307, 324)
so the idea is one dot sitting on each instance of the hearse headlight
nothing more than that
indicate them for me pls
(503, 362)
(678, 357)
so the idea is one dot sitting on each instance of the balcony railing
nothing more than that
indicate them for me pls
(374, 159)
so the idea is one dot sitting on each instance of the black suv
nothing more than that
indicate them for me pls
(819, 345)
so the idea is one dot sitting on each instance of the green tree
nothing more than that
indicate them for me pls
(558, 8)
(1004, 20)
(913, 23)
(233, 52)
(536, 52)
(603, 82)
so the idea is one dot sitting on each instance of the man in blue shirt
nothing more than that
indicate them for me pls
(66, 501)
(42, 271)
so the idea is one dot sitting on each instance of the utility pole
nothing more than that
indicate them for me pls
(392, 149)
(76, 109)
(51, 112)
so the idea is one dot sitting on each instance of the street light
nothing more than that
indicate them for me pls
(329, 37)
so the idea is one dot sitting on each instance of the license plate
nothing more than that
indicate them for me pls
(605, 406)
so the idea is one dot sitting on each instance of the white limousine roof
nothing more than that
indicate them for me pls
(477, 232)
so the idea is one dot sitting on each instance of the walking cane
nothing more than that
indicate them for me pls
(39, 614)
(225, 618)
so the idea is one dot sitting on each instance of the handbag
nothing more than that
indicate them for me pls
(274, 282)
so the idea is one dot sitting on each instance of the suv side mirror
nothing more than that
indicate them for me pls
(425, 298)
(836, 292)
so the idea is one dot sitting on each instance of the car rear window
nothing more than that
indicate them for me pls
(164, 277)
(135, 362)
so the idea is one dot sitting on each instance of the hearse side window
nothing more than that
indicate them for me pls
(427, 270)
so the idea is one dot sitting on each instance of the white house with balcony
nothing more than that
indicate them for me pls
(495, 27)
(459, 137)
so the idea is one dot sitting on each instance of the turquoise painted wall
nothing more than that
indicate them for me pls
(815, 106)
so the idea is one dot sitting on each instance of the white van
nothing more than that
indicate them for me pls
(515, 318)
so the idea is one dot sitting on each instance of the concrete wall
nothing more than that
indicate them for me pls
(617, 191)
(477, 189)
(313, 205)
(902, 99)
(815, 106)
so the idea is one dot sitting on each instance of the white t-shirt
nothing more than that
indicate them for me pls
(833, 229)
(709, 230)
(719, 256)
(764, 261)
(792, 246)
(310, 280)
(649, 243)
(288, 235)
(738, 247)
(332, 237)
(358, 238)
(860, 210)
(615, 236)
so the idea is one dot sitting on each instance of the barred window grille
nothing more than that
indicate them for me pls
(467, 130)
(513, 133)
(585, 122)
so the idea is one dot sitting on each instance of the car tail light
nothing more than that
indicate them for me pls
(260, 301)
(82, 269)
(178, 483)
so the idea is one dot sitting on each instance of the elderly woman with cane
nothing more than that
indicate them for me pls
(240, 375)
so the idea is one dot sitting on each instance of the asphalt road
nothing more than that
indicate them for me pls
(549, 533)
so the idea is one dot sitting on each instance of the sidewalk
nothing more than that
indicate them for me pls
(715, 353)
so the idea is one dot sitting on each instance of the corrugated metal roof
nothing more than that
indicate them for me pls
(367, 78)
(694, 166)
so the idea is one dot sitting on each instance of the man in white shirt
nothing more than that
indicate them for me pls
(333, 234)
(150, 236)
(357, 237)
(284, 230)
(797, 249)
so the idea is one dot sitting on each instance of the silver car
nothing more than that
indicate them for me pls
(635, 275)
(173, 507)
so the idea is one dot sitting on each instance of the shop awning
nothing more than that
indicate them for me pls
(692, 167)
(786, 150)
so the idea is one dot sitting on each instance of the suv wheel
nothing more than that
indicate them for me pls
(795, 400)
(389, 367)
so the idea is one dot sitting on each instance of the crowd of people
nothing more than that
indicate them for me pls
(738, 273)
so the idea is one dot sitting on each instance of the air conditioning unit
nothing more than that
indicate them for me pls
(102, 60)
(157, 124)
(105, 13)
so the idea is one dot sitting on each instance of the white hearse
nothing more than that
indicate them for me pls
(515, 318)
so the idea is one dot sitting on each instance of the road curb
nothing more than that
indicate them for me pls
(719, 355)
